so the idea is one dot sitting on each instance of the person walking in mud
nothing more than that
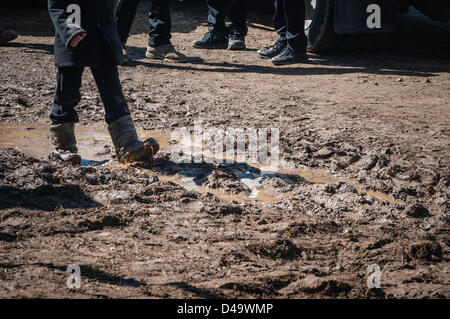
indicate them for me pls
(159, 46)
(289, 23)
(86, 36)
(218, 35)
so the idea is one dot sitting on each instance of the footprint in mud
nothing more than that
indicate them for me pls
(297, 229)
(223, 210)
(280, 249)
(103, 222)
(429, 251)
(328, 287)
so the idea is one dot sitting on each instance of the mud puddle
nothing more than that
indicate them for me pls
(95, 147)
(94, 142)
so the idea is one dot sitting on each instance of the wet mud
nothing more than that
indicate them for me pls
(363, 178)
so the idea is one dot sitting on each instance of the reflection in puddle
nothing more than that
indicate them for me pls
(95, 147)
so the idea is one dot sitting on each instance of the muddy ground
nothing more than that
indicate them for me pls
(364, 134)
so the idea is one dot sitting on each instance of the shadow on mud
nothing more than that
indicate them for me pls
(317, 66)
(45, 48)
(199, 292)
(86, 272)
(45, 197)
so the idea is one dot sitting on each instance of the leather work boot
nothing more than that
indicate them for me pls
(165, 52)
(212, 40)
(271, 51)
(289, 56)
(63, 139)
(128, 147)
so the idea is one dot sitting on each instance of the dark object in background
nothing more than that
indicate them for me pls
(7, 36)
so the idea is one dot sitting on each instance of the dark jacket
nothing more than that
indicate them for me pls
(96, 20)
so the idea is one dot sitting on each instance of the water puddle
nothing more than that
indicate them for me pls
(94, 142)
(95, 147)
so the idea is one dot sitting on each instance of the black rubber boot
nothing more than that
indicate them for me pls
(63, 139)
(128, 147)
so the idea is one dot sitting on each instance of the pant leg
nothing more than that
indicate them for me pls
(160, 22)
(216, 15)
(279, 20)
(67, 95)
(238, 16)
(125, 17)
(294, 11)
(106, 77)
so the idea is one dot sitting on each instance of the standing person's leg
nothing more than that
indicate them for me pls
(216, 15)
(238, 28)
(159, 45)
(106, 77)
(295, 51)
(67, 95)
(125, 17)
(294, 11)
(279, 23)
(117, 116)
(160, 22)
(216, 37)
(64, 116)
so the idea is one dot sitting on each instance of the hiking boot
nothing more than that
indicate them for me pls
(212, 40)
(289, 56)
(236, 41)
(6, 36)
(165, 52)
(63, 139)
(128, 147)
(271, 51)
